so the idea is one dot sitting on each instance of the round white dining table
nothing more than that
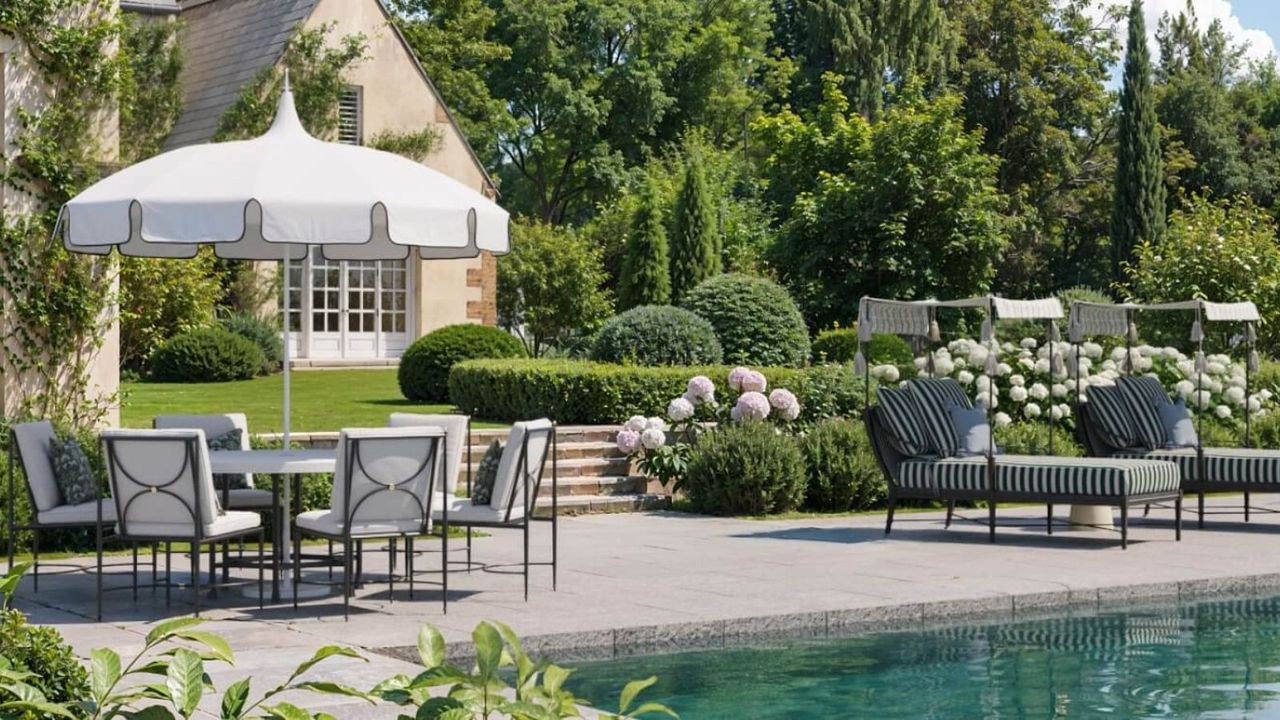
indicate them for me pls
(276, 462)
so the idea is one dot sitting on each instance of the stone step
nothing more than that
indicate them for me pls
(584, 504)
(565, 450)
(600, 485)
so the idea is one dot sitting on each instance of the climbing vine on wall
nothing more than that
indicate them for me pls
(53, 311)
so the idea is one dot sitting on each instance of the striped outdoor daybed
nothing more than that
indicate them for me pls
(917, 449)
(1223, 470)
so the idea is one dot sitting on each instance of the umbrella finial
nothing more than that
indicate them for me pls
(286, 113)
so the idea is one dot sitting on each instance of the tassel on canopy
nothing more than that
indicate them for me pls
(1255, 361)
(1251, 332)
(935, 333)
(987, 335)
(1054, 334)
(1202, 364)
(993, 363)
(864, 332)
(1057, 366)
(928, 364)
(1075, 332)
(1197, 332)
(1131, 335)
(860, 363)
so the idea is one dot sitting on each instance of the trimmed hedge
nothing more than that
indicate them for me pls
(206, 355)
(841, 467)
(263, 334)
(572, 391)
(424, 366)
(756, 320)
(841, 345)
(657, 335)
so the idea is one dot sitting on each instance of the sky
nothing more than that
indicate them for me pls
(1254, 23)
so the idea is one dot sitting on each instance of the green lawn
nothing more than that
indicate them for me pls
(322, 400)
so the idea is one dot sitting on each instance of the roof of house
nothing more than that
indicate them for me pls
(226, 43)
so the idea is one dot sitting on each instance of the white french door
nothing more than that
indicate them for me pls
(356, 309)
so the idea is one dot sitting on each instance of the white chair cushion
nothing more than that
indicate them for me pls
(82, 514)
(156, 483)
(456, 439)
(33, 443)
(229, 522)
(213, 427)
(509, 468)
(462, 511)
(329, 523)
(385, 455)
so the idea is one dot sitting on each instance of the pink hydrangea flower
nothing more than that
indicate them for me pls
(754, 381)
(753, 406)
(628, 441)
(785, 402)
(735, 377)
(701, 389)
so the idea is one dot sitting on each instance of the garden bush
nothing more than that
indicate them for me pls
(841, 468)
(840, 345)
(424, 367)
(657, 335)
(755, 319)
(746, 469)
(206, 355)
(262, 333)
(572, 391)
(56, 671)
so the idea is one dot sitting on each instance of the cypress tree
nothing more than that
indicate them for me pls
(1138, 212)
(646, 275)
(695, 249)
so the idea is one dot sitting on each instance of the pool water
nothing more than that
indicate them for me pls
(1215, 660)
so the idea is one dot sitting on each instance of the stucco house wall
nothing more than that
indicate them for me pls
(22, 87)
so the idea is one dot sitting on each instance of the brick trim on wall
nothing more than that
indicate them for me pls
(485, 277)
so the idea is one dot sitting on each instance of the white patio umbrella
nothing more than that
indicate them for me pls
(273, 197)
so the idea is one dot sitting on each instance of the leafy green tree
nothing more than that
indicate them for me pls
(1224, 250)
(866, 42)
(551, 286)
(695, 254)
(150, 96)
(1138, 213)
(1033, 75)
(161, 298)
(646, 269)
(907, 207)
(453, 41)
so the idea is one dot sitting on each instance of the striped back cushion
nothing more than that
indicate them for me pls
(937, 395)
(903, 421)
(1143, 395)
(1110, 414)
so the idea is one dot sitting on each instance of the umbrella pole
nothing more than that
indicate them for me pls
(288, 360)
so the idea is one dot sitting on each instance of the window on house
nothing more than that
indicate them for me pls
(351, 117)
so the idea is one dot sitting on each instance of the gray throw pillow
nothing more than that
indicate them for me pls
(486, 474)
(72, 471)
(1179, 429)
(972, 430)
(229, 440)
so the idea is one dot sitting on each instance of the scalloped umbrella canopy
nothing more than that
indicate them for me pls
(249, 199)
(280, 194)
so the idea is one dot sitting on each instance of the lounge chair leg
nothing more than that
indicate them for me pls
(1200, 519)
(888, 520)
(1049, 519)
(1177, 519)
(195, 574)
(1124, 526)
(991, 520)
(1146, 510)
(951, 510)
(1246, 507)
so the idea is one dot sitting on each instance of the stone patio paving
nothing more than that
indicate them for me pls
(664, 581)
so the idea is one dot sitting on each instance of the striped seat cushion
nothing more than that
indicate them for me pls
(1246, 466)
(1093, 477)
(936, 396)
(1110, 415)
(903, 421)
(1142, 396)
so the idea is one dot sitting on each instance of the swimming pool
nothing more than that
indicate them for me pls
(1214, 660)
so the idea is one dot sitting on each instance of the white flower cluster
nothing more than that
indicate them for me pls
(1025, 380)
(642, 432)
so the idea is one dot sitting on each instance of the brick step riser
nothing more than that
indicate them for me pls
(564, 452)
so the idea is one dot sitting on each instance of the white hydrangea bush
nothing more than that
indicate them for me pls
(1024, 381)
